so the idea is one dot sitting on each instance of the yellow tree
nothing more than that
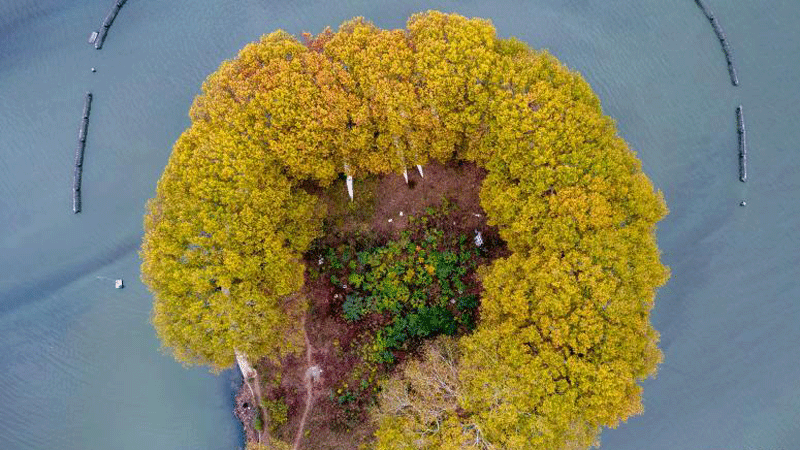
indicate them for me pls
(455, 65)
(564, 336)
(279, 95)
(223, 239)
(381, 63)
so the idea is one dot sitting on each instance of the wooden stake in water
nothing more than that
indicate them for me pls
(742, 144)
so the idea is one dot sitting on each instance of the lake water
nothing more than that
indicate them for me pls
(80, 366)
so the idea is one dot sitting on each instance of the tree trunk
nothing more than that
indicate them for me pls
(349, 181)
(248, 372)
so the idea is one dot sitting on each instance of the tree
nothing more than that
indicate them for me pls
(419, 407)
(564, 319)
(279, 95)
(380, 63)
(456, 59)
(223, 239)
(564, 336)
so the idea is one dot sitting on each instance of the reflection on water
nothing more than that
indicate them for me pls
(79, 362)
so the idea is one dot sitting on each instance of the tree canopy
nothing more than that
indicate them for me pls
(564, 336)
(223, 238)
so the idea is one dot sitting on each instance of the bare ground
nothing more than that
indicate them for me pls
(307, 383)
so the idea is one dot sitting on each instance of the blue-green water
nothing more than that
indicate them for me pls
(79, 363)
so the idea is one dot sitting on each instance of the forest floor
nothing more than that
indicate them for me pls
(313, 385)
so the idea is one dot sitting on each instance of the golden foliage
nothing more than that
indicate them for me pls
(420, 406)
(564, 337)
(223, 239)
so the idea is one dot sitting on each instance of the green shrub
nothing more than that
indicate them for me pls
(346, 398)
(277, 412)
(354, 307)
(467, 302)
(411, 281)
(355, 279)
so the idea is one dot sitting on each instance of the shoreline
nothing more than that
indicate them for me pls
(245, 410)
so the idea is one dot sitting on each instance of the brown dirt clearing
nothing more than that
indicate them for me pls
(315, 419)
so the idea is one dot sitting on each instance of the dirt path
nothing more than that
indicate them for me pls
(263, 435)
(312, 372)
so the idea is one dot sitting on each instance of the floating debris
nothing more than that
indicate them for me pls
(101, 37)
(87, 105)
(76, 179)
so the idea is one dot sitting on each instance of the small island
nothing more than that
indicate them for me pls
(426, 238)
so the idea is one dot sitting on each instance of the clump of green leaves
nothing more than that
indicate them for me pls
(258, 423)
(354, 307)
(277, 412)
(415, 287)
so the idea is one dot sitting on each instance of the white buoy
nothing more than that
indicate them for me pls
(401, 213)
(420, 171)
(119, 284)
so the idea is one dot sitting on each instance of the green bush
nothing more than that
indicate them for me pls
(354, 308)
(413, 282)
(277, 411)
(258, 424)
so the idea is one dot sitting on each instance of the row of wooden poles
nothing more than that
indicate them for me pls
(742, 144)
(723, 40)
(98, 37)
(78, 169)
(726, 49)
